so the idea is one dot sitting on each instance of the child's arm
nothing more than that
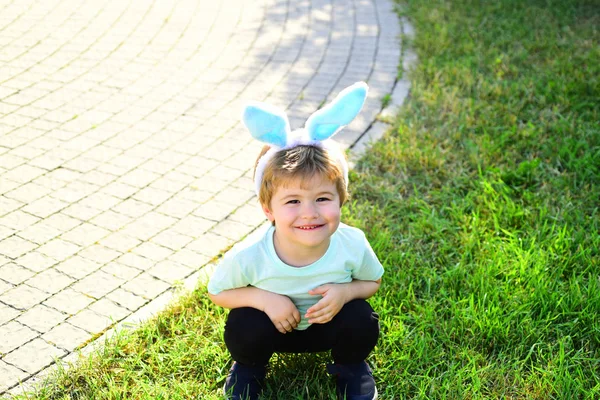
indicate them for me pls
(280, 309)
(336, 295)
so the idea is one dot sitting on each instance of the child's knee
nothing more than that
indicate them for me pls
(360, 310)
(359, 317)
(248, 326)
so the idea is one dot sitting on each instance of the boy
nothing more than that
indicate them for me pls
(301, 284)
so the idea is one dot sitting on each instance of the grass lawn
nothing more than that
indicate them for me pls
(482, 203)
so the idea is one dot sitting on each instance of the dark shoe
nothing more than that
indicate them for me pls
(244, 382)
(354, 381)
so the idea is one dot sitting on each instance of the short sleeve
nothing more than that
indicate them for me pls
(370, 269)
(227, 275)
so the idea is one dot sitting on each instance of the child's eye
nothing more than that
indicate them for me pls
(323, 199)
(293, 202)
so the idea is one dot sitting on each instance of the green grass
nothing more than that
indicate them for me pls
(482, 203)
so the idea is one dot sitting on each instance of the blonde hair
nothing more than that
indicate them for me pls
(301, 162)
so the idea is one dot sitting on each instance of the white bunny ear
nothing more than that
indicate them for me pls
(326, 122)
(267, 123)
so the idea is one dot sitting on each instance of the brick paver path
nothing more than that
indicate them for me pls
(123, 165)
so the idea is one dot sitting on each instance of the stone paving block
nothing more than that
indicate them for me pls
(82, 165)
(35, 261)
(10, 375)
(90, 321)
(139, 178)
(135, 261)
(23, 297)
(215, 211)
(210, 244)
(100, 201)
(234, 195)
(28, 193)
(120, 190)
(85, 234)
(209, 184)
(97, 284)
(148, 225)
(24, 173)
(173, 181)
(7, 205)
(14, 246)
(193, 226)
(45, 206)
(149, 310)
(18, 220)
(132, 208)
(5, 232)
(170, 271)
(50, 281)
(10, 161)
(111, 220)
(195, 194)
(177, 208)
(7, 313)
(59, 249)
(34, 356)
(146, 285)
(152, 196)
(109, 309)
(7, 185)
(62, 222)
(31, 384)
(250, 214)
(41, 318)
(68, 301)
(13, 335)
(152, 251)
(120, 271)
(231, 229)
(14, 273)
(74, 191)
(66, 336)
(99, 253)
(96, 178)
(126, 299)
(78, 267)
(171, 239)
(128, 163)
(28, 153)
(120, 242)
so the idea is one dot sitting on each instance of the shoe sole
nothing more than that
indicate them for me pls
(374, 396)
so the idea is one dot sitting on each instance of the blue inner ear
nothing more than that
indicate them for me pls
(344, 108)
(266, 126)
(324, 131)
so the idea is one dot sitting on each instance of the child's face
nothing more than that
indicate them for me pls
(305, 216)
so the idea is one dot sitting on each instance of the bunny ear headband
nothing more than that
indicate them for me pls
(270, 125)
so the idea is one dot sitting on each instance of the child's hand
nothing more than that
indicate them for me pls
(282, 312)
(334, 298)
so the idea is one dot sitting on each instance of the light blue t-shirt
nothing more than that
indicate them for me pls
(254, 262)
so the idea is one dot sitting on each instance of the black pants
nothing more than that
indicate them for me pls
(351, 335)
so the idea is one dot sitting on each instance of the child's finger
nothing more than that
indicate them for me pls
(286, 326)
(320, 320)
(317, 314)
(279, 327)
(313, 310)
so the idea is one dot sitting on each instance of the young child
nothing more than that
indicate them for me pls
(300, 285)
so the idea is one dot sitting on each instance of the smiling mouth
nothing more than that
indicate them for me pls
(309, 227)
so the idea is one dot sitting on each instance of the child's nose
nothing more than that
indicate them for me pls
(310, 211)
